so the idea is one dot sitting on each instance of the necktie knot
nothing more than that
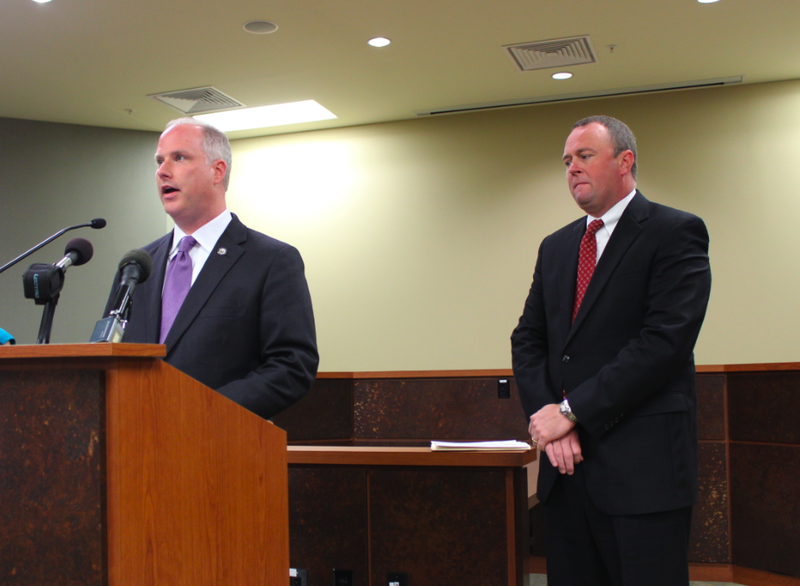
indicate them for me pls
(593, 227)
(187, 242)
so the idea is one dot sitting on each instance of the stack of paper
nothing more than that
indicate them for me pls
(497, 446)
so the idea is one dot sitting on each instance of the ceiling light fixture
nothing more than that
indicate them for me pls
(707, 1)
(266, 116)
(562, 75)
(41, 1)
(260, 27)
(379, 42)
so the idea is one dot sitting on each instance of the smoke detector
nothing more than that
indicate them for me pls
(552, 53)
(198, 100)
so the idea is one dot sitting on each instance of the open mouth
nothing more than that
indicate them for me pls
(167, 189)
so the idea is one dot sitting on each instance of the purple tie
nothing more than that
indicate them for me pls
(176, 285)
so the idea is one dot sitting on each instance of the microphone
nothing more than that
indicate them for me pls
(135, 267)
(78, 252)
(43, 282)
(95, 224)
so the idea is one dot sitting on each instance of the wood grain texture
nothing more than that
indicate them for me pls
(189, 488)
(197, 485)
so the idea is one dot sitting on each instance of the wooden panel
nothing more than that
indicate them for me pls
(328, 522)
(762, 407)
(52, 458)
(197, 486)
(710, 538)
(711, 406)
(390, 456)
(439, 525)
(445, 409)
(325, 413)
(765, 507)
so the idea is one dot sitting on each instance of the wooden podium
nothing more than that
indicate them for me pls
(117, 469)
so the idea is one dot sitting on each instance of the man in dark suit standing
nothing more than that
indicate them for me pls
(231, 304)
(603, 358)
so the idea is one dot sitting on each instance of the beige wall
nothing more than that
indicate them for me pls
(420, 236)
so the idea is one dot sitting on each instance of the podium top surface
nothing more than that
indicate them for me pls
(82, 351)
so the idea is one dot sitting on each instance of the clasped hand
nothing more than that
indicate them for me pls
(556, 435)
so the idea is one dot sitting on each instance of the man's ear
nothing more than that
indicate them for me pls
(626, 159)
(220, 167)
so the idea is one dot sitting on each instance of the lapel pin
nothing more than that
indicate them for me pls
(222, 251)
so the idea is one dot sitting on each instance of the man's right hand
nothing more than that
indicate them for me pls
(565, 453)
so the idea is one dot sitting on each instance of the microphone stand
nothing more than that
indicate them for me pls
(96, 224)
(46, 325)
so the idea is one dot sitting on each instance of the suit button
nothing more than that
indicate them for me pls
(565, 359)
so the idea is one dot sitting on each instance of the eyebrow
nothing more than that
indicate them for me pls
(580, 152)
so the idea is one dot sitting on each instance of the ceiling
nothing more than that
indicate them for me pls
(95, 62)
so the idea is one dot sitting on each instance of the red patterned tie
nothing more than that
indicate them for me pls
(587, 259)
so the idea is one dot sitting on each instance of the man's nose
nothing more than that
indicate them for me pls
(162, 170)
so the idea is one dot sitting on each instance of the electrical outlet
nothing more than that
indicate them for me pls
(298, 577)
(503, 389)
(397, 579)
(343, 578)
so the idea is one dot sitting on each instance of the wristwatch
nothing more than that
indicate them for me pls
(567, 412)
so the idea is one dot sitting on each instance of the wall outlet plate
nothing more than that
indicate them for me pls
(503, 388)
(298, 577)
(397, 579)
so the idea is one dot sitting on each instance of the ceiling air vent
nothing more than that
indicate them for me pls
(552, 53)
(198, 100)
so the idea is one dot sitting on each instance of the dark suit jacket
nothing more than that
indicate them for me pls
(627, 361)
(246, 327)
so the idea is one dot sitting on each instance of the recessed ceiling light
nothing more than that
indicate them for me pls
(707, 1)
(266, 116)
(260, 27)
(562, 75)
(41, 1)
(379, 42)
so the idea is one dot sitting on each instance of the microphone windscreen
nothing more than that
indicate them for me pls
(98, 223)
(82, 248)
(141, 259)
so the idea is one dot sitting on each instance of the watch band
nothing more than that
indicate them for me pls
(567, 412)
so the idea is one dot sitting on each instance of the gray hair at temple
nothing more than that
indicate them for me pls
(621, 136)
(215, 144)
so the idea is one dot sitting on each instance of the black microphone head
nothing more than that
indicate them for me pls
(80, 249)
(98, 223)
(140, 259)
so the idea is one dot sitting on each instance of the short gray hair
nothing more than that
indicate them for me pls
(621, 136)
(215, 144)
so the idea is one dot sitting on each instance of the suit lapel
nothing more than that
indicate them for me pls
(626, 232)
(152, 293)
(223, 257)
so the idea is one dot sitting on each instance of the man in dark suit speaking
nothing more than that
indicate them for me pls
(603, 357)
(232, 305)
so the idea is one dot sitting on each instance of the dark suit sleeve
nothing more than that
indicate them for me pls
(287, 339)
(530, 347)
(678, 284)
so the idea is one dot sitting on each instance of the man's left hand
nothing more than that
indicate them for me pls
(548, 424)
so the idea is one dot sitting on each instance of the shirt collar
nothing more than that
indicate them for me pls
(612, 216)
(207, 235)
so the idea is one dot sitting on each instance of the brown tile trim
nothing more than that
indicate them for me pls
(507, 372)
(707, 573)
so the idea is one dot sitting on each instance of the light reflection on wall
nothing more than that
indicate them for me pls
(290, 183)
